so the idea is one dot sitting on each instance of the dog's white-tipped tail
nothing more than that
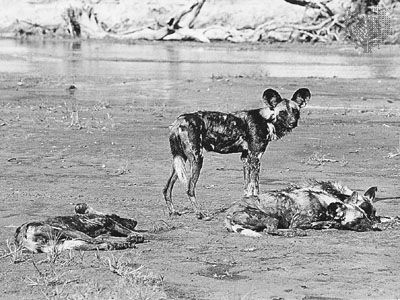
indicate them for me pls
(239, 229)
(180, 168)
(245, 231)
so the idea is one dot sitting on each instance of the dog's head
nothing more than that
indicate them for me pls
(286, 112)
(365, 202)
(355, 213)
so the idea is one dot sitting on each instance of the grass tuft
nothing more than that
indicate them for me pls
(396, 153)
(13, 251)
(136, 281)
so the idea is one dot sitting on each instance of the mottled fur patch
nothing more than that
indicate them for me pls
(320, 205)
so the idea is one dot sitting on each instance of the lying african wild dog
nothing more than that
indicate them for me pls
(82, 231)
(320, 205)
(246, 132)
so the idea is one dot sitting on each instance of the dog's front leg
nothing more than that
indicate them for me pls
(319, 225)
(246, 172)
(77, 235)
(254, 172)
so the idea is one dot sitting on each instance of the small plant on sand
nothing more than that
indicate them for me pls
(161, 226)
(13, 251)
(49, 277)
(54, 251)
(50, 281)
(396, 153)
(122, 169)
(53, 276)
(317, 158)
(74, 119)
(137, 282)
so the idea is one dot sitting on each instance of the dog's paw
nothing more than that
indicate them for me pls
(174, 213)
(135, 239)
(207, 218)
(203, 216)
(288, 232)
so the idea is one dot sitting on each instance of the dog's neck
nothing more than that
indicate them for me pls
(268, 114)
(271, 132)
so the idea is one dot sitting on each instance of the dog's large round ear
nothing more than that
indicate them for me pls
(81, 208)
(370, 193)
(353, 199)
(271, 98)
(301, 96)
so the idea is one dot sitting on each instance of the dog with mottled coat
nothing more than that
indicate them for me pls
(319, 205)
(86, 230)
(247, 132)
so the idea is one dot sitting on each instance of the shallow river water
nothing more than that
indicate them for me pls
(194, 61)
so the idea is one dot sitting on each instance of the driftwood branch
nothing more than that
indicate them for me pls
(196, 12)
(313, 4)
(303, 3)
(194, 9)
(40, 26)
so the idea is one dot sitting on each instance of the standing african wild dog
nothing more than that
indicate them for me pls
(246, 132)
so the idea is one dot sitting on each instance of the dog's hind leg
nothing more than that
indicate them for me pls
(250, 221)
(118, 226)
(167, 192)
(196, 163)
(103, 246)
(80, 241)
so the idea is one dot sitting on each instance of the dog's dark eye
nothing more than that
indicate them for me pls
(296, 113)
(283, 113)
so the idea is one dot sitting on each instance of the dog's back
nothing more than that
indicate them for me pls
(212, 131)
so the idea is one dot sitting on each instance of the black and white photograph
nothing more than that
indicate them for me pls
(200, 149)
